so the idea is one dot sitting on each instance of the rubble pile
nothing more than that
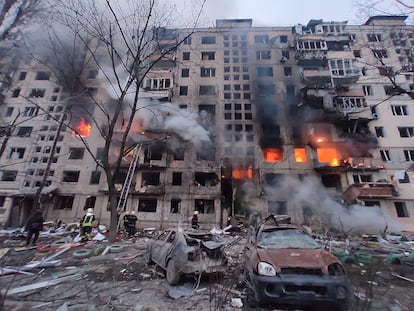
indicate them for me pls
(60, 273)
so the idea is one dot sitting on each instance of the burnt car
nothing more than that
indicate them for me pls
(286, 268)
(184, 252)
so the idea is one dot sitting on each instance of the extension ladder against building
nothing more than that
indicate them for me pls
(128, 180)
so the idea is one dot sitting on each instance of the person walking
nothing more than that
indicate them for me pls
(86, 225)
(33, 226)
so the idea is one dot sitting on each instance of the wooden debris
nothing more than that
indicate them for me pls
(227, 289)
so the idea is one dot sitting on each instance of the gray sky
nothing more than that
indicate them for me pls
(290, 12)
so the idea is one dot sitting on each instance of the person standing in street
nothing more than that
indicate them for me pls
(131, 223)
(86, 225)
(33, 226)
(194, 221)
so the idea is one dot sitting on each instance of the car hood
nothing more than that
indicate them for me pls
(294, 257)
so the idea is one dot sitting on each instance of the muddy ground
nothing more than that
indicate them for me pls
(123, 281)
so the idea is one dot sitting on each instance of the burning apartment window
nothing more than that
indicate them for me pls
(379, 131)
(186, 55)
(277, 207)
(385, 155)
(150, 178)
(263, 55)
(24, 131)
(204, 206)
(63, 202)
(43, 75)
(273, 155)
(16, 93)
(22, 75)
(177, 178)
(399, 110)
(37, 93)
(406, 132)
(300, 155)
(8, 175)
(208, 40)
(409, 155)
(183, 90)
(17, 153)
(175, 207)
(76, 153)
(70, 176)
(265, 71)
(208, 55)
(147, 205)
(185, 72)
(207, 90)
(330, 156)
(401, 209)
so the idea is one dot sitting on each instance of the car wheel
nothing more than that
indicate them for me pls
(172, 275)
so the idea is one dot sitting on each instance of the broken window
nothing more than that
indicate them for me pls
(37, 93)
(147, 205)
(300, 155)
(367, 90)
(95, 178)
(43, 75)
(22, 75)
(204, 206)
(90, 202)
(330, 156)
(76, 153)
(272, 155)
(207, 72)
(175, 206)
(8, 175)
(17, 153)
(379, 131)
(206, 179)
(265, 71)
(152, 153)
(277, 207)
(409, 155)
(179, 154)
(380, 53)
(150, 178)
(208, 40)
(332, 181)
(16, 93)
(24, 131)
(208, 55)
(70, 176)
(287, 71)
(362, 178)
(374, 37)
(372, 203)
(177, 178)
(385, 155)
(207, 90)
(401, 209)
(63, 202)
(263, 55)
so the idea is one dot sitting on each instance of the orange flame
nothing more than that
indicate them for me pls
(300, 155)
(273, 155)
(240, 173)
(82, 129)
(329, 155)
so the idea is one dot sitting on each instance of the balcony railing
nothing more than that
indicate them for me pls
(366, 163)
(369, 190)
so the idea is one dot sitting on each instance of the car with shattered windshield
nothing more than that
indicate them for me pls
(183, 252)
(286, 268)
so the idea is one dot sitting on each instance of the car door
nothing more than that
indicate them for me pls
(164, 247)
(157, 246)
(250, 247)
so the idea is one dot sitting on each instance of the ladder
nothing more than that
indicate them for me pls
(128, 180)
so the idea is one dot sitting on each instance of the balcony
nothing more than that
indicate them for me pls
(316, 78)
(311, 57)
(378, 190)
(365, 164)
(150, 190)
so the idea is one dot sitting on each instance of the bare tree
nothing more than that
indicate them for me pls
(125, 40)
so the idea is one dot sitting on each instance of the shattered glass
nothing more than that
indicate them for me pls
(286, 238)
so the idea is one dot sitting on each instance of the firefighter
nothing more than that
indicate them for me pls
(194, 221)
(130, 221)
(86, 225)
(33, 226)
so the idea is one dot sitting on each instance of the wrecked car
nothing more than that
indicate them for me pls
(285, 267)
(183, 252)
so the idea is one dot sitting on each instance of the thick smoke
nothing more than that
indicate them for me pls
(330, 212)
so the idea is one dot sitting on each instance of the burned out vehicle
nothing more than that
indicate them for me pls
(286, 268)
(183, 252)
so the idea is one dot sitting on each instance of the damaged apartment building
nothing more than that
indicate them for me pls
(279, 104)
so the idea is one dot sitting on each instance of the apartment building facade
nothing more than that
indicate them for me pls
(278, 104)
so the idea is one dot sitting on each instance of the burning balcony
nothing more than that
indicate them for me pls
(368, 190)
(82, 128)
(328, 157)
(365, 164)
(273, 154)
